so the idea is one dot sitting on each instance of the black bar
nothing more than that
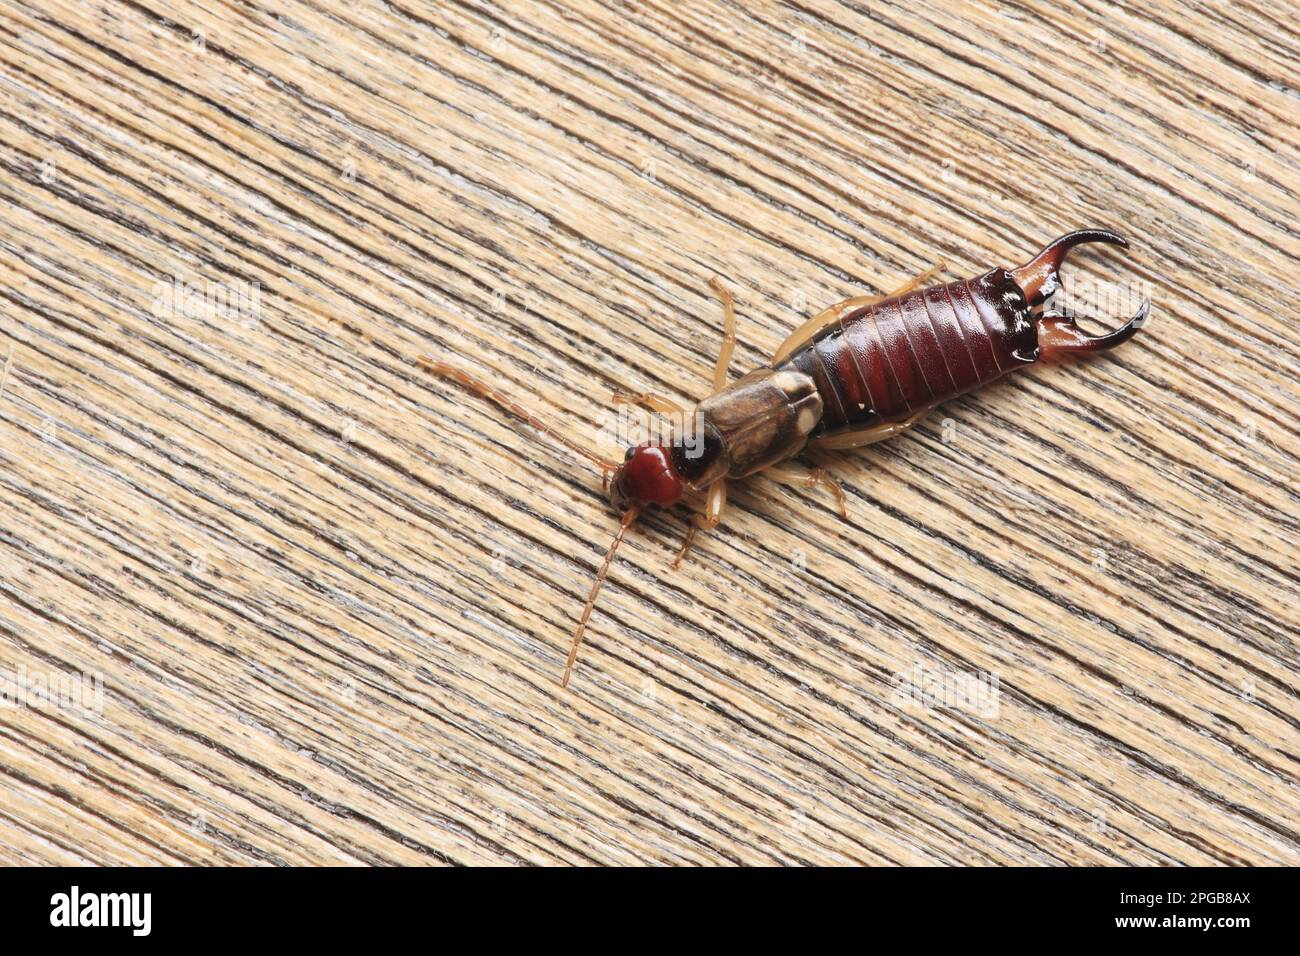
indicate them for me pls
(341, 906)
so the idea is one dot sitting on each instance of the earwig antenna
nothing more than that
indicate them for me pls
(498, 398)
(628, 518)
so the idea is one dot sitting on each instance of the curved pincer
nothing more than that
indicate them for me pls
(1039, 279)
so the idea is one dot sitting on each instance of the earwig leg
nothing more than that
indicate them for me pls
(728, 335)
(819, 476)
(869, 436)
(686, 545)
(656, 403)
(918, 280)
(812, 478)
(710, 519)
(810, 328)
(823, 318)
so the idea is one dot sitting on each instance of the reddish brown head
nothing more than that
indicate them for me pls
(1039, 279)
(648, 475)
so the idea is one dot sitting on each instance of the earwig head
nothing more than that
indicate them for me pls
(652, 474)
(1039, 279)
(648, 475)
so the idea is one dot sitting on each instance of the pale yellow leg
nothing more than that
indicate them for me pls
(728, 335)
(869, 436)
(825, 317)
(814, 477)
(918, 280)
(656, 403)
(717, 493)
(712, 515)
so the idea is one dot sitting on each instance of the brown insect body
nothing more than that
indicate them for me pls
(872, 369)
(862, 370)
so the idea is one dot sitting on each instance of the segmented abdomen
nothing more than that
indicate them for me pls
(891, 359)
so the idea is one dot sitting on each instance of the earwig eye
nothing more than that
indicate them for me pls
(630, 452)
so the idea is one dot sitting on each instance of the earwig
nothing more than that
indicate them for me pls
(858, 372)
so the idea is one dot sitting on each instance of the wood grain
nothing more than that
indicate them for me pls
(329, 596)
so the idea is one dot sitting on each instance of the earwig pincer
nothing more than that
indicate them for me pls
(860, 371)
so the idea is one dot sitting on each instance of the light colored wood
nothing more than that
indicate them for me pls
(330, 596)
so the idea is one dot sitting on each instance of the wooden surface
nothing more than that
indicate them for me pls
(329, 597)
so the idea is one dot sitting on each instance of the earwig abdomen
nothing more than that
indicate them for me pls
(889, 360)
